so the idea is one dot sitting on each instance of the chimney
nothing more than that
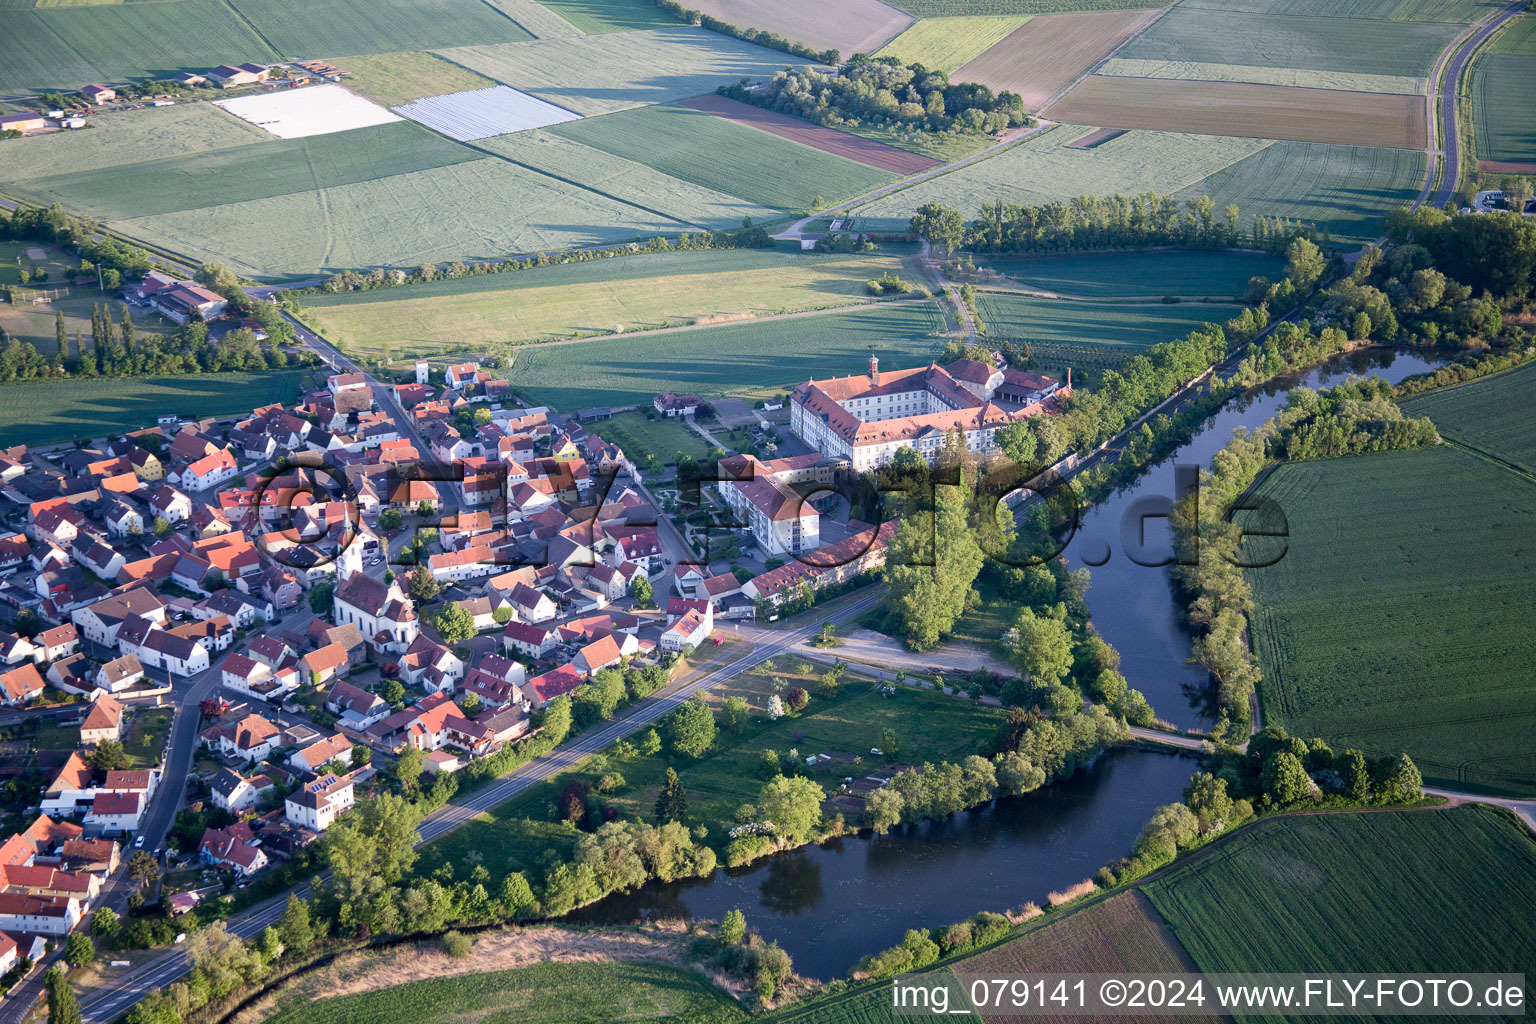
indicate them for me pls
(874, 369)
(1069, 378)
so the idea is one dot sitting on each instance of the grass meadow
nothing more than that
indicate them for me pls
(1504, 112)
(548, 993)
(948, 43)
(745, 360)
(1398, 618)
(631, 293)
(1478, 416)
(1443, 891)
(724, 156)
(39, 412)
(1114, 275)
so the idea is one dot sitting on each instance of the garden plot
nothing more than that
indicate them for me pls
(482, 113)
(298, 113)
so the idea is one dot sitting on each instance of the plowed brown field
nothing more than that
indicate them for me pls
(828, 140)
(1049, 51)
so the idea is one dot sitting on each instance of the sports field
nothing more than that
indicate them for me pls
(1243, 108)
(395, 78)
(1111, 275)
(1345, 190)
(549, 993)
(277, 167)
(37, 412)
(1503, 107)
(481, 208)
(724, 156)
(1398, 618)
(1089, 335)
(750, 360)
(620, 70)
(634, 292)
(848, 26)
(342, 28)
(1478, 416)
(1045, 167)
(948, 43)
(628, 181)
(1049, 52)
(1443, 891)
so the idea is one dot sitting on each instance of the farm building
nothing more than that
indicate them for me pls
(188, 78)
(227, 76)
(21, 122)
(99, 93)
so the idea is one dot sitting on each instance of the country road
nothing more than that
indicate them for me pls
(1448, 72)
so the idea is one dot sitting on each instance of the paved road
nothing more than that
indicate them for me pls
(1453, 62)
(169, 966)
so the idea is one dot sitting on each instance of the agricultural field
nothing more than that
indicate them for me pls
(39, 412)
(859, 148)
(1122, 935)
(1343, 190)
(1503, 111)
(1115, 275)
(66, 47)
(1397, 618)
(482, 208)
(483, 113)
(1310, 41)
(298, 113)
(343, 28)
(628, 181)
(929, 726)
(244, 173)
(549, 993)
(131, 137)
(997, 8)
(949, 43)
(1477, 416)
(1348, 81)
(1444, 891)
(1242, 108)
(1049, 52)
(724, 156)
(1462, 12)
(604, 296)
(622, 69)
(1088, 335)
(745, 360)
(849, 26)
(594, 17)
(1045, 167)
(394, 78)
(541, 19)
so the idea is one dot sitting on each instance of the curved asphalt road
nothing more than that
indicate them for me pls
(1450, 81)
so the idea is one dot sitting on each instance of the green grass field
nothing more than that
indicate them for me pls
(1306, 41)
(146, 736)
(343, 28)
(1190, 275)
(1459, 11)
(618, 70)
(1518, 37)
(244, 173)
(1503, 108)
(1480, 416)
(628, 181)
(551, 993)
(948, 43)
(395, 78)
(641, 438)
(597, 16)
(724, 156)
(37, 412)
(749, 360)
(1345, 190)
(977, 8)
(1398, 617)
(1441, 891)
(634, 292)
(930, 727)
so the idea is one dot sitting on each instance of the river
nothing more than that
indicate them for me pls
(1133, 605)
(830, 905)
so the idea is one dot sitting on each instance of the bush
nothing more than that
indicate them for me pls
(457, 944)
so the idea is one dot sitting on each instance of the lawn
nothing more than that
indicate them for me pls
(482, 208)
(722, 155)
(244, 173)
(395, 78)
(632, 293)
(641, 437)
(1481, 416)
(549, 993)
(947, 43)
(1398, 617)
(930, 727)
(146, 736)
(602, 73)
(627, 181)
(748, 360)
(1505, 112)
(39, 412)
(1442, 891)
(1190, 275)
(342, 28)
(36, 324)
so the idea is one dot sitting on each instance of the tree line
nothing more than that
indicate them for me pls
(761, 37)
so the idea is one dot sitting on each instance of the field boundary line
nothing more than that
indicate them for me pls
(1061, 94)
(1478, 453)
(531, 33)
(258, 33)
